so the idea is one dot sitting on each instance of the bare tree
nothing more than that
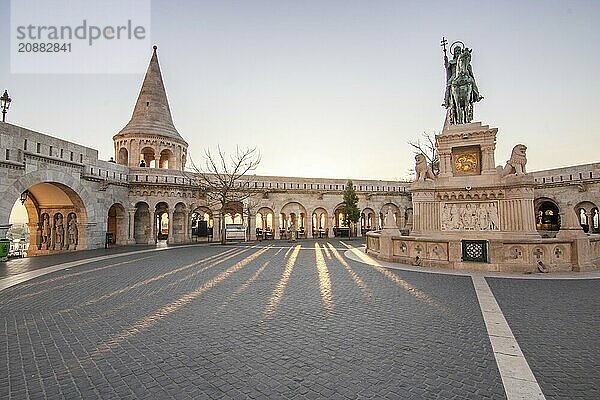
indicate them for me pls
(223, 182)
(426, 145)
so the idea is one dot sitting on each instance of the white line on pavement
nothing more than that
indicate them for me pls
(519, 382)
(517, 378)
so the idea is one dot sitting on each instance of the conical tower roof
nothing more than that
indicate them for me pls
(152, 114)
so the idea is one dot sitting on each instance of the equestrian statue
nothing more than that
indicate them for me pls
(461, 89)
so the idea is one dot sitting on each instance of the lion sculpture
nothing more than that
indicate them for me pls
(516, 164)
(422, 168)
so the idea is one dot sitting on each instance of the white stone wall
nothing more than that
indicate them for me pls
(28, 158)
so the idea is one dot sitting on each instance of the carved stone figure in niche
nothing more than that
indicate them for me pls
(482, 217)
(422, 168)
(46, 231)
(59, 232)
(468, 217)
(454, 217)
(72, 231)
(494, 220)
(446, 215)
(516, 164)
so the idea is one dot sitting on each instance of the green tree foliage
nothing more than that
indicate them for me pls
(350, 208)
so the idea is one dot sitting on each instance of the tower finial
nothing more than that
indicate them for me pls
(155, 47)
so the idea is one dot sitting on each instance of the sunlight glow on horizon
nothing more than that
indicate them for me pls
(336, 89)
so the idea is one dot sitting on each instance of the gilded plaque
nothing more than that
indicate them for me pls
(467, 163)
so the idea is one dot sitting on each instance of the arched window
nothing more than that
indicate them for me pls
(123, 156)
(548, 218)
(595, 220)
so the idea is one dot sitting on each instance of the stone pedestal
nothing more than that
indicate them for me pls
(470, 198)
(389, 230)
(476, 216)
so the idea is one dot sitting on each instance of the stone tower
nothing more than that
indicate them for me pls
(150, 139)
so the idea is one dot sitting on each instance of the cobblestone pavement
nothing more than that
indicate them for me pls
(276, 320)
(16, 266)
(557, 325)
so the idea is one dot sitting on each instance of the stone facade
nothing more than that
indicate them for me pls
(74, 199)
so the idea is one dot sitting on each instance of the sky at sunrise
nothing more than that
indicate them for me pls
(337, 88)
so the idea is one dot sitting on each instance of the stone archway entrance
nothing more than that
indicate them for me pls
(547, 217)
(56, 217)
(368, 220)
(265, 223)
(116, 225)
(320, 227)
(162, 222)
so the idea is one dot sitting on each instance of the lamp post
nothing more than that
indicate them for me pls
(5, 104)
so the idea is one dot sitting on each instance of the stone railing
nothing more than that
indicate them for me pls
(105, 171)
(267, 183)
(576, 173)
(15, 139)
(595, 250)
(523, 255)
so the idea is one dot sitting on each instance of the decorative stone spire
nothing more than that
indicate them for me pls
(152, 115)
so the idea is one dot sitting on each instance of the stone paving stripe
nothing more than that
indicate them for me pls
(279, 289)
(357, 279)
(418, 294)
(172, 307)
(519, 381)
(327, 253)
(14, 280)
(245, 285)
(224, 256)
(324, 279)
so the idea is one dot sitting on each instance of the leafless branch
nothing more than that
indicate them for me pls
(426, 145)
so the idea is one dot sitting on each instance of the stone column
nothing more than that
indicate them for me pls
(131, 226)
(186, 227)
(252, 227)
(276, 225)
(445, 164)
(216, 226)
(170, 238)
(308, 225)
(156, 161)
(152, 236)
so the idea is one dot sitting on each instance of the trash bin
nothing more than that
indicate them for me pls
(4, 249)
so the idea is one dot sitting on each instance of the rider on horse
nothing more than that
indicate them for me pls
(461, 90)
(451, 75)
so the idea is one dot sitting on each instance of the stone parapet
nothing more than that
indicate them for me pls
(508, 255)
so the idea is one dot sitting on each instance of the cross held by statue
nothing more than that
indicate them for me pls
(443, 44)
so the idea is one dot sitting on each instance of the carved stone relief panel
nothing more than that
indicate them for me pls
(437, 251)
(470, 216)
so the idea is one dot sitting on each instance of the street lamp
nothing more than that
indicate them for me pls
(5, 104)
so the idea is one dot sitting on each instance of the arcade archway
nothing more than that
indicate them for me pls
(292, 213)
(320, 226)
(547, 215)
(116, 225)
(265, 219)
(56, 218)
(202, 223)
